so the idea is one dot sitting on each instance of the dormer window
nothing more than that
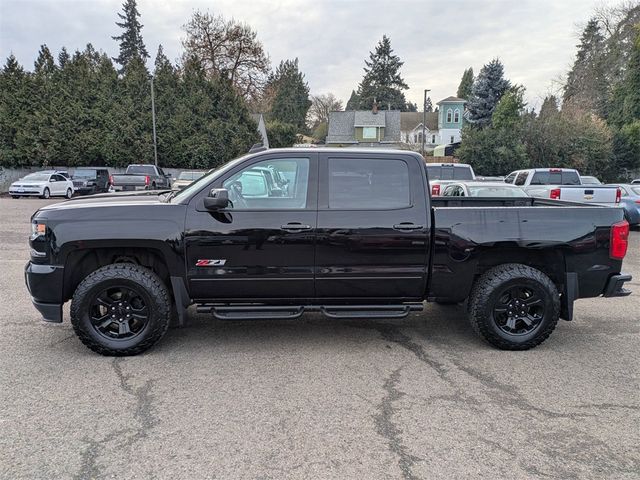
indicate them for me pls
(449, 115)
(456, 116)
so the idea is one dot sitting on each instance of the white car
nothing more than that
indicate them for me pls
(43, 184)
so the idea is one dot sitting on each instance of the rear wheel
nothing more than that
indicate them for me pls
(121, 309)
(69, 193)
(514, 307)
(15, 196)
(46, 193)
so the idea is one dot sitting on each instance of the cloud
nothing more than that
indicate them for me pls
(437, 40)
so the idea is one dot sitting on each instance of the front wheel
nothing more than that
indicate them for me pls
(121, 309)
(514, 307)
(46, 193)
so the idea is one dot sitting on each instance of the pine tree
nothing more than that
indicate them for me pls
(429, 105)
(626, 97)
(549, 108)
(291, 100)
(131, 44)
(354, 101)
(486, 93)
(382, 81)
(587, 87)
(466, 84)
(14, 114)
(166, 88)
(43, 124)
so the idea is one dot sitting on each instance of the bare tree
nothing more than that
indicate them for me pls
(321, 105)
(228, 49)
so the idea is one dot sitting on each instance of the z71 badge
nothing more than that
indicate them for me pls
(206, 262)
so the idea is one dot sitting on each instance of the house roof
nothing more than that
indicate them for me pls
(366, 118)
(342, 125)
(410, 120)
(451, 99)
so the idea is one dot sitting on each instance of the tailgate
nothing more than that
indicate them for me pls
(127, 179)
(589, 194)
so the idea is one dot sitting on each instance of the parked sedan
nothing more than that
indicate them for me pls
(186, 178)
(630, 202)
(42, 184)
(483, 189)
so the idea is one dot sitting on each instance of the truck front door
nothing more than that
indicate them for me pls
(262, 245)
(373, 227)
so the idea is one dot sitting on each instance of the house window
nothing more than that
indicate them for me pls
(369, 133)
(456, 116)
(449, 115)
(452, 141)
(433, 139)
(419, 137)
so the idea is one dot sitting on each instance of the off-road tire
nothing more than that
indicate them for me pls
(483, 299)
(122, 273)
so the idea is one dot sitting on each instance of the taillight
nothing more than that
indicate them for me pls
(554, 194)
(435, 190)
(110, 179)
(619, 240)
(618, 195)
(555, 170)
(638, 202)
(146, 180)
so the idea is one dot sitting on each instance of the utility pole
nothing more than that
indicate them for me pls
(424, 120)
(153, 119)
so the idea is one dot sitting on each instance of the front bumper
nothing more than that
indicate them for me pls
(44, 283)
(615, 286)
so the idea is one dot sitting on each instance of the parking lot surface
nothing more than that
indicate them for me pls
(420, 398)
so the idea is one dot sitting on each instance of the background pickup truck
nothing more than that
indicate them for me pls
(562, 184)
(141, 177)
(350, 233)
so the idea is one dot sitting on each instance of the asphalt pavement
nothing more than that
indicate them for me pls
(419, 398)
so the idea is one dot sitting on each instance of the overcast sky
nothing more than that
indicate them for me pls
(437, 40)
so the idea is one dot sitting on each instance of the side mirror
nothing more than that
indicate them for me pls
(217, 199)
(52, 180)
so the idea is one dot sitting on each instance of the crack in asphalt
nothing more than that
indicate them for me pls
(388, 429)
(143, 414)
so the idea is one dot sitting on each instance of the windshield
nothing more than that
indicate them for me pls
(497, 191)
(37, 177)
(190, 175)
(84, 174)
(141, 169)
(205, 179)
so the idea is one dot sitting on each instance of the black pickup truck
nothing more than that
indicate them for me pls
(354, 234)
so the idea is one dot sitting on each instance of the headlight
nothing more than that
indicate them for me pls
(38, 229)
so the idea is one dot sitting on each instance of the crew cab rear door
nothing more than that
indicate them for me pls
(373, 226)
(262, 245)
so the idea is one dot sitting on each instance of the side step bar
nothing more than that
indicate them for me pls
(265, 312)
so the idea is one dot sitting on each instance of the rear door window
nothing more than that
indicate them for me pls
(374, 184)
(521, 179)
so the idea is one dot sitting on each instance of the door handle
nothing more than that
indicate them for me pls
(295, 227)
(407, 226)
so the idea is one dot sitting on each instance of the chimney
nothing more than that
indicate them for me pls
(374, 110)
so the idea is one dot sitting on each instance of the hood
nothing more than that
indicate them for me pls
(30, 183)
(107, 200)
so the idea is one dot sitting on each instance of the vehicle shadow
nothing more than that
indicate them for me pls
(437, 324)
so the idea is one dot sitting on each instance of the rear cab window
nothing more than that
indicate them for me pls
(449, 172)
(553, 177)
(141, 169)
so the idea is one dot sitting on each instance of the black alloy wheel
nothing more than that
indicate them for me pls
(119, 312)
